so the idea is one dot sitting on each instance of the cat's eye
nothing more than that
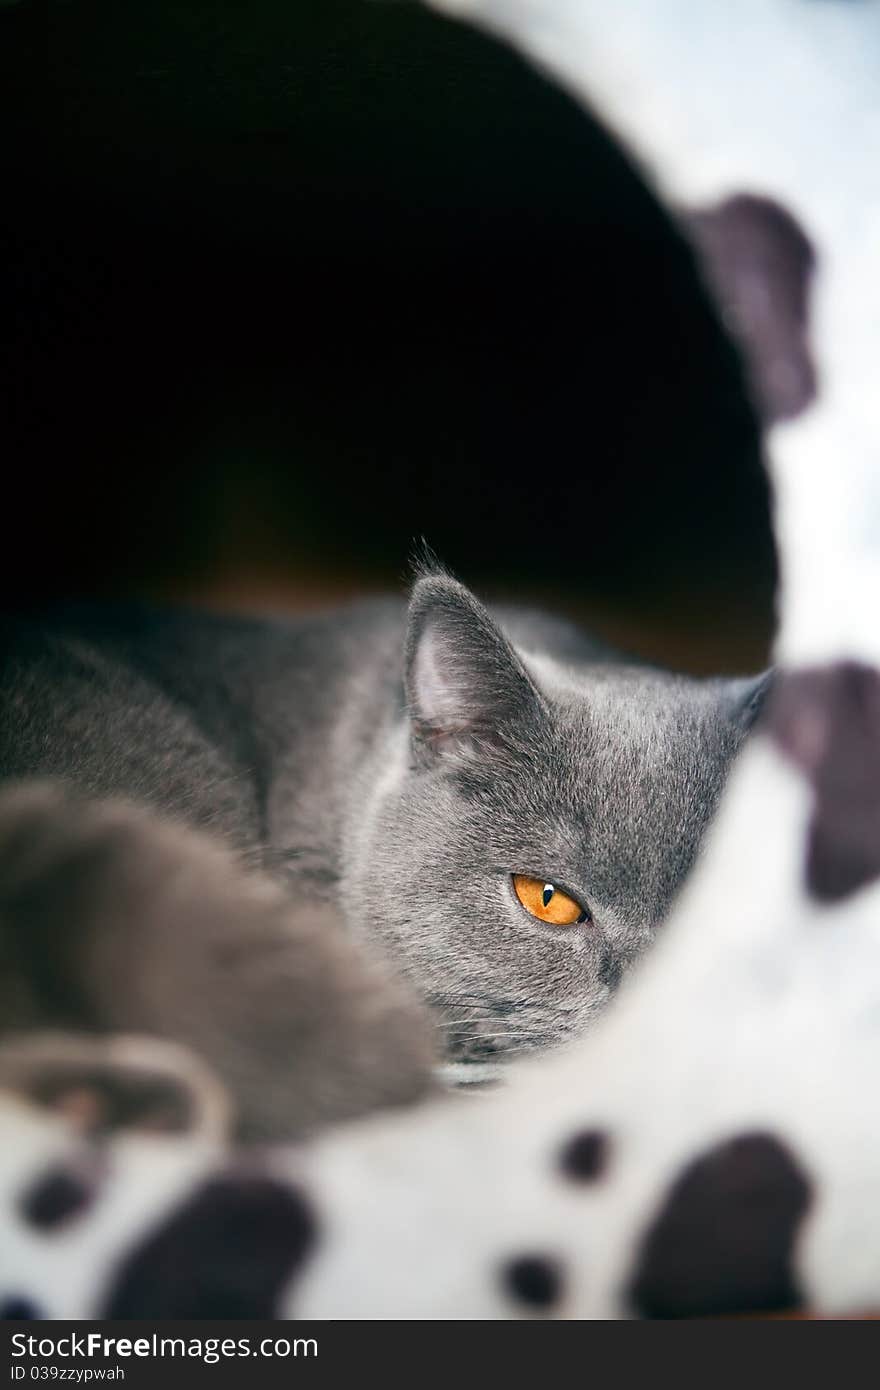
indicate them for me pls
(547, 902)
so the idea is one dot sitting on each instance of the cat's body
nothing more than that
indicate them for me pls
(399, 766)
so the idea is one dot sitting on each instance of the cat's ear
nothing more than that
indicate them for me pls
(466, 688)
(749, 697)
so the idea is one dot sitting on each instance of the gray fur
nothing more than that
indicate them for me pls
(113, 921)
(584, 772)
(399, 767)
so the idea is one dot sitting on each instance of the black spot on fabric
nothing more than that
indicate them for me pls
(20, 1309)
(57, 1198)
(758, 261)
(533, 1279)
(723, 1241)
(826, 720)
(228, 1252)
(585, 1156)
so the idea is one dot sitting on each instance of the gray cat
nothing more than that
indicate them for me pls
(497, 807)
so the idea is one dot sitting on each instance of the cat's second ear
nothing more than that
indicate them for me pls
(466, 688)
(749, 697)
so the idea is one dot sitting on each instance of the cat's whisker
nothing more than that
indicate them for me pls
(493, 1007)
(459, 1003)
(480, 1028)
(487, 1001)
(498, 1033)
(452, 1022)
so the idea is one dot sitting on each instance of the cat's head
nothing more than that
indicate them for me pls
(531, 821)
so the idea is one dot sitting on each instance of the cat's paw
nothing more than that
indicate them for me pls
(113, 920)
(103, 1085)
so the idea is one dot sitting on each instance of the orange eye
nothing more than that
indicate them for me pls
(547, 902)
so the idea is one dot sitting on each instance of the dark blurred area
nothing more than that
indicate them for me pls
(287, 286)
